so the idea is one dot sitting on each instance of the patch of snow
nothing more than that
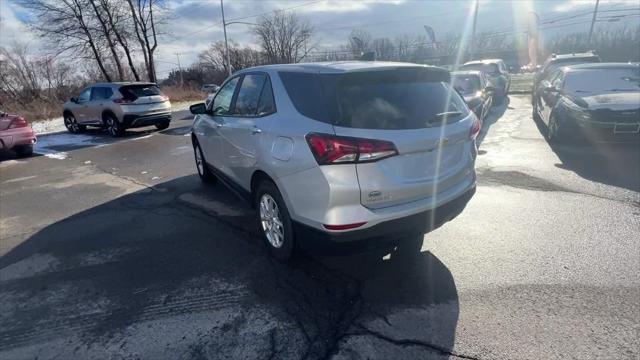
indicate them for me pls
(48, 126)
(57, 155)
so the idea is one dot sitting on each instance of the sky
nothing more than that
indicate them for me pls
(194, 24)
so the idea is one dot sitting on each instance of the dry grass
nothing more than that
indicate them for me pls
(44, 109)
(176, 93)
(36, 110)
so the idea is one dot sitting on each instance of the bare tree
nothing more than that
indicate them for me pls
(142, 12)
(240, 57)
(284, 37)
(120, 23)
(359, 42)
(68, 27)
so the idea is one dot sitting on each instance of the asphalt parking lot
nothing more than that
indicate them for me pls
(114, 249)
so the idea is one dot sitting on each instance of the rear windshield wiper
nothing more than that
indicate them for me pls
(437, 118)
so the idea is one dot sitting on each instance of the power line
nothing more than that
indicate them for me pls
(275, 11)
(219, 23)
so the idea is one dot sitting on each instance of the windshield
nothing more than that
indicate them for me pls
(603, 80)
(491, 69)
(466, 84)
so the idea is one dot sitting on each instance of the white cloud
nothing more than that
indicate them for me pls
(12, 29)
(572, 5)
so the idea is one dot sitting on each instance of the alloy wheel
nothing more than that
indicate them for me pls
(112, 126)
(199, 162)
(271, 222)
(71, 124)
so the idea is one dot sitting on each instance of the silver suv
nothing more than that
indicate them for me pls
(118, 106)
(340, 151)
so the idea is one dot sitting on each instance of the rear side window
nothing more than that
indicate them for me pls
(394, 99)
(266, 105)
(305, 91)
(136, 91)
(249, 95)
(101, 93)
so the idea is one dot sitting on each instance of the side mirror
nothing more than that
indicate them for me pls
(199, 108)
(74, 100)
(550, 89)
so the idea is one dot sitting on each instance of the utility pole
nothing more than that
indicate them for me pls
(472, 46)
(226, 44)
(593, 22)
(180, 70)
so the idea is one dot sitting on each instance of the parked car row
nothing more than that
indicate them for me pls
(577, 97)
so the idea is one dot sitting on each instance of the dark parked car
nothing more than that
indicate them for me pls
(496, 72)
(594, 101)
(476, 91)
(554, 62)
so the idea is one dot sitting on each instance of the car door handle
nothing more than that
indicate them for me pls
(256, 130)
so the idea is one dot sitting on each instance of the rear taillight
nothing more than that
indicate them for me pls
(332, 149)
(475, 127)
(18, 122)
(123, 101)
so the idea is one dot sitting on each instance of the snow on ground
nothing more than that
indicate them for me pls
(57, 124)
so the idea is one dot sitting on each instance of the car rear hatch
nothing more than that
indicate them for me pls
(417, 111)
(144, 98)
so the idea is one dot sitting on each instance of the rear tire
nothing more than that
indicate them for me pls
(204, 172)
(114, 127)
(409, 248)
(24, 150)
(162, 125)
(274, 221)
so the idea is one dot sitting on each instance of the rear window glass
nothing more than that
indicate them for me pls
(603, 80)
(466, 84)
(571, 61)
(136, 91)
(485, 68)
(395, 99)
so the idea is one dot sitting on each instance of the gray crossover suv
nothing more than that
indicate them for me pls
(118, 106)
(340, 151)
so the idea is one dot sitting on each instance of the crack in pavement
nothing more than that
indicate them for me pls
(406, 342)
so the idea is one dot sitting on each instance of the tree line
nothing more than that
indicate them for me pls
(115, 40)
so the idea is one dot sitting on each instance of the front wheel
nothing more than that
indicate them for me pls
(554, 132)
(275, 223)
(72, 125)
(201, 165)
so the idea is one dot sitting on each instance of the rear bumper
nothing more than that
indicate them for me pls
(390, 230)
(135, 120)
(601, 130)
(17, 137)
